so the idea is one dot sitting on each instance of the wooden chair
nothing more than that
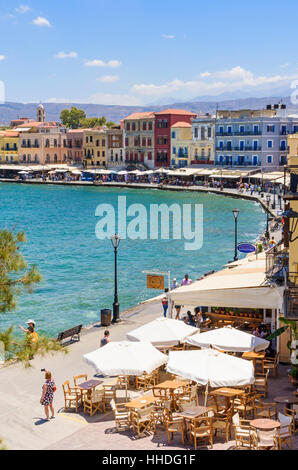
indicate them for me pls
(201, 429)
(121, 416)
(174, 426)
(77, 380)
(244, 405)
(293, 412)
(223, 423)
(141, 420)
(242, 432)
(94, 402)
(70, 396)
(109, 394)
(179, 347)
(143, 382)
(161, 393)
(265, 410)
(271, 364)
(189, 394)
(260, 384)
(122, 382)
(285, 431)
(264, 440)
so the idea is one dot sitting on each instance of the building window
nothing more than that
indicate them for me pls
(150, 126)
(91, 138)
(149, 141)
(128, 126)
(133, 126)
(174, 150)
(144, 126)
(173, 135)
(270, 128)
(196, 132)
(269, 159)
(269, 144)
(209, 132)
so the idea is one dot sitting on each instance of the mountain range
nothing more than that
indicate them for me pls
(11, 110)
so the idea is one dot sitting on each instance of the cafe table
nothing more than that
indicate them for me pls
(289, 400)
(141, 402)
(88, 386)
(191, 413)
(228, 393)
(171, 386)
(254, 356)
(265, 424)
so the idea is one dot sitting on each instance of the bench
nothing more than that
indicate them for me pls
(75, 331)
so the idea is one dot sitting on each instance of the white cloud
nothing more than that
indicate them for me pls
(284, 66)
(66, 55)
(168, 36)
(215, 83)
(100, 63)
(41, 21)
(117, 99)
(22, 9)
(2, 57)
(108, 79)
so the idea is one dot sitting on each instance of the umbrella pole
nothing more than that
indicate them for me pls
(206, 393)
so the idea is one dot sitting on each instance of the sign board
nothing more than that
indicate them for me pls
(155, 281)
(246, 248)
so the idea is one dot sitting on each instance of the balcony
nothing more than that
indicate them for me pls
(291, 303)
(277, 259)
(238, 133)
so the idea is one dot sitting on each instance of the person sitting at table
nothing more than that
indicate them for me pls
(191, 320)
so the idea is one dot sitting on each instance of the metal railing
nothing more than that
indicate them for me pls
(291, 303)
(276, 259)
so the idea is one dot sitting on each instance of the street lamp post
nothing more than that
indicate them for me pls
(236, 213)
(115, 239)
(273, 204)
(267, 227)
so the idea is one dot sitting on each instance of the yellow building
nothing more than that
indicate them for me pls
(9, 152)
(181, 144)
(95, 148)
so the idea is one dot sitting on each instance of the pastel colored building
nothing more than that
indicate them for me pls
(203, 132)
(181, 141)
(94, 146)
(75, 148)
(9, 142)
(115, 150)
(139, 138)
(164, 120)
(253, 137)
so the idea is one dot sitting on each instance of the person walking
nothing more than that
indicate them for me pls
(186, 281)
(165, 305)
(106, 339)
(47, 396)
(175, 284)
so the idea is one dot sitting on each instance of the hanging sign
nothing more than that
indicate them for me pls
(155, 281)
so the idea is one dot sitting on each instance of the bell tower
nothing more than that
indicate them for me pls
(40, 113)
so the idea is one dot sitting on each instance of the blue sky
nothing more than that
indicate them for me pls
(146, 51)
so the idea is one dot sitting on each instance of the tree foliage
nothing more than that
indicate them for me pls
(15, 278)
(71, 118)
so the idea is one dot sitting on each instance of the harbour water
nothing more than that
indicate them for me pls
(77, 268)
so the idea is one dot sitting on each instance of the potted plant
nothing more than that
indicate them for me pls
(292, 345)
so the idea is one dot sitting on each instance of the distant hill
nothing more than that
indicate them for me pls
(10, 110)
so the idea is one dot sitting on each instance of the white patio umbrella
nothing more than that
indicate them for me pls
(162, 332)
(228, 339)
(126, 358)
(211, 368)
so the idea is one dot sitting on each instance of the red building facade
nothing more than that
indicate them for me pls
(163, 122)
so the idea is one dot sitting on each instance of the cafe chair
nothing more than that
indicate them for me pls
(242, 432)
(109, 394)
(293, 412)
(270, 363)
(70, 396)
(94, 402)
(285, 431)
(141, 420)
(265, 410)
(77, 380)
(121, 416)
(174, 426)
(261, 382)
(143, 382)
(201, 429)
(222, 423)
(244, 405)
(264, 440)
(122, 382)
(189, 394)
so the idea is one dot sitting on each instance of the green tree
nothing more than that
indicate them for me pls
(95, 122)
(71, 118)
(292, 325)
(16, 278)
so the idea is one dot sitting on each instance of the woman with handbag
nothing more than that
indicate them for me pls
(47, 396)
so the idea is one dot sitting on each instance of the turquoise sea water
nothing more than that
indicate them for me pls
(77, 268)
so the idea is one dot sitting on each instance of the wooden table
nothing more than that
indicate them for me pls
(192, 413)
(171, 385)
(287, 400)
(141, 402)
(265, 424)
(254, 356)
(89, 386)
(228, 393)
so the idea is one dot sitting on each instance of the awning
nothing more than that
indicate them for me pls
(244, 286)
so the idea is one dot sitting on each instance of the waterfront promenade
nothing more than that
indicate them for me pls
(21, 415)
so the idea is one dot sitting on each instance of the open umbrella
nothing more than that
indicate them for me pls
(126, 358)
(228, 339)
(211, 368)
(162, 332)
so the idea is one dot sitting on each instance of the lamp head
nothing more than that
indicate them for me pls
(236, 213)
(115, 239)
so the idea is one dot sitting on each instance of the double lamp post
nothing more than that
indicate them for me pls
(115, 239)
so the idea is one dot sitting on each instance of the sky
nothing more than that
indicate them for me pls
(140, 52)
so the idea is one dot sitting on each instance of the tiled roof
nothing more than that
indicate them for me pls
(140, 115)
(181, 124)
(176, 111)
